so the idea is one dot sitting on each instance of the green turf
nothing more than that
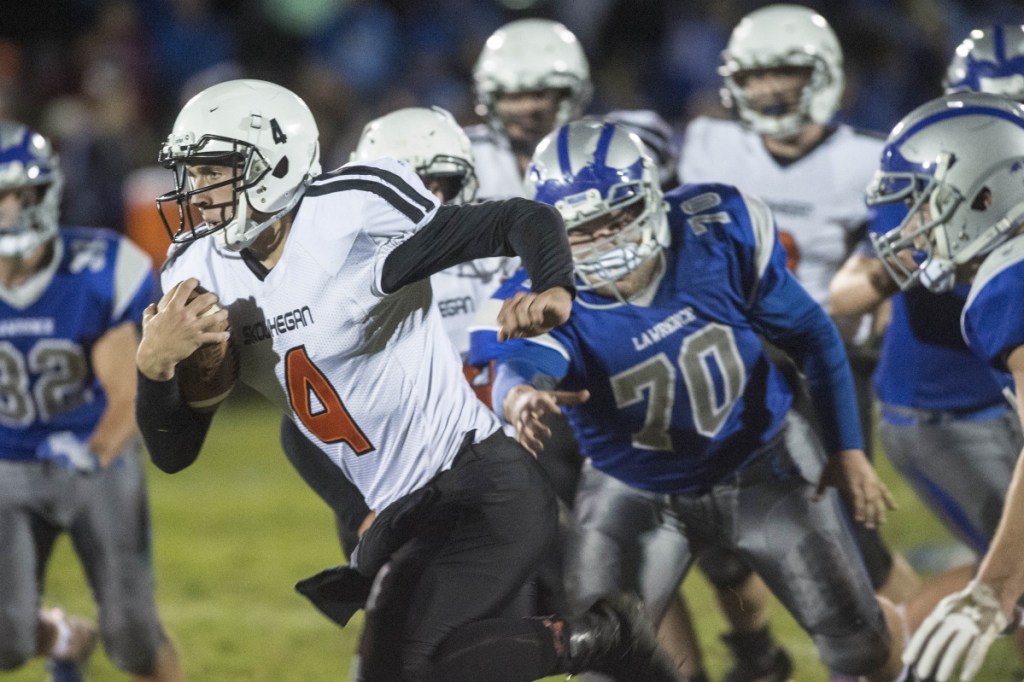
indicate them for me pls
(235, 531)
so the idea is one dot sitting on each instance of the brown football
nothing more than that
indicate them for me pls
(206, 377)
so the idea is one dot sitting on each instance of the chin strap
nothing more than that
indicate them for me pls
(938, 275)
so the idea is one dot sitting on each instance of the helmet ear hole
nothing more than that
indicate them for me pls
(281, 169)
(982, 200)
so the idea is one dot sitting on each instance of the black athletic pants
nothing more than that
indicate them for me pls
(435, 612)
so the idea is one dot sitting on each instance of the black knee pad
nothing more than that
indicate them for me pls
(877, 557)
(723, 568)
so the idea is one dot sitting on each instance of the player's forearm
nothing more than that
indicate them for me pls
(539, 238)
(831, 386)
(523, 366)
(115, 429)
(798, 325)
(116, 426)
(173, 432)
(1001, 568)
(457, 234)
(859, 287)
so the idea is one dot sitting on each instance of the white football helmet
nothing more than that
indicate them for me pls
(957, 162)
(989, 60)
(781, 36)
(532, 54)
(28, 160)
(429, 140)
(588, 169)
(264, 131)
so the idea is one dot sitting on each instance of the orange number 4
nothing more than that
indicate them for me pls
(331, 423)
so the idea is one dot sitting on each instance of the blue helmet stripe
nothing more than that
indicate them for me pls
(564, 163)
(603, 143)
(999, 43)
(955, 112)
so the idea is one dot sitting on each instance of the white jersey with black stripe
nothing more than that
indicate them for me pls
(370, 377)
(818, 199)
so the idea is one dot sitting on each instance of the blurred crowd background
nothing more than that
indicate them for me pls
(105, 78)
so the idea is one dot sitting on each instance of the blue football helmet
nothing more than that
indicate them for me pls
(590, 169)
(957, 163)
(27, 160)
(989, 60)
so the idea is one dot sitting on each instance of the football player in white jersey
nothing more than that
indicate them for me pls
(71, 299)
(429, 140)
(324, 280)
(530, 77)
(956, 164)
(783, 78)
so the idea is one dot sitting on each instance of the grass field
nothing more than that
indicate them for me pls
(235, 531)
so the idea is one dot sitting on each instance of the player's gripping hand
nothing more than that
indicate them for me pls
(532, 314)
(69, 452)
(174, 328)
(525, 407)
(962, 626)
(863, 492)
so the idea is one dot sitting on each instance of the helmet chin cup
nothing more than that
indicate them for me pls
(938, 275)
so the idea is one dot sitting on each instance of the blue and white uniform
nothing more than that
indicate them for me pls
(47, 329)
(50, 404)
(724, 284)
(687, 412)
(993, 319)
(945, 423)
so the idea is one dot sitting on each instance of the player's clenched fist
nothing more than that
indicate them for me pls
(532, 314)
(175, 327)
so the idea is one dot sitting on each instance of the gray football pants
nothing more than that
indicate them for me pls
(959, 467)
(628, 539)
(106, 516)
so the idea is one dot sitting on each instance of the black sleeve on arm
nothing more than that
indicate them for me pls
(173, 431)
(457, 234)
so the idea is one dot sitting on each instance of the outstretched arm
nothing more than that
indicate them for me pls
(457, 234)
(525, 377)
(963, 626)
(514, 227)
(1002, 567)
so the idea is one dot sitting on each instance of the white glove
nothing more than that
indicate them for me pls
(964, 624)
(69, 452)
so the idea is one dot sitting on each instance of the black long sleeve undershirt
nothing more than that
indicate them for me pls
(457, 234)
(173, 431)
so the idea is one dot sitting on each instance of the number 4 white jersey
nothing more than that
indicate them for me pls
(370, 377)
(818, 200)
